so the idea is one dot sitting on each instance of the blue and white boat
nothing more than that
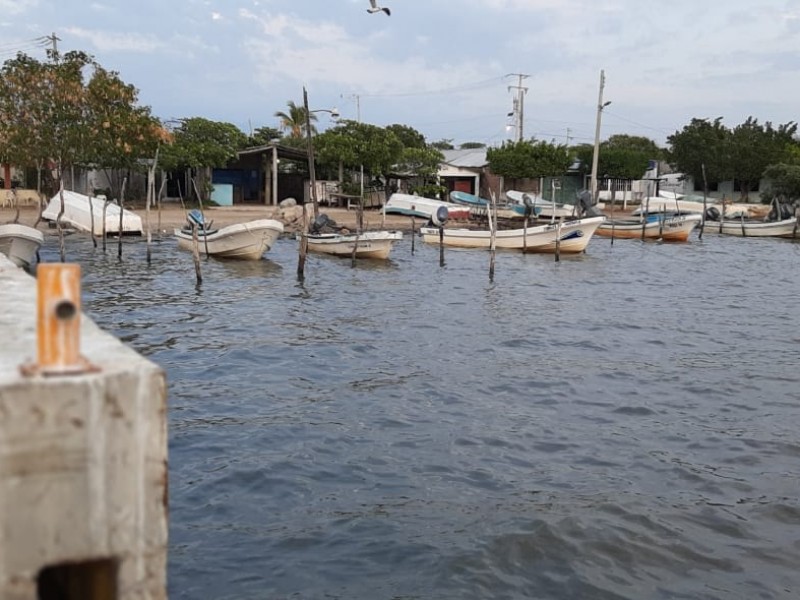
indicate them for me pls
(479, 206)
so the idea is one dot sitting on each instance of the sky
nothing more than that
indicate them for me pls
(447, 68)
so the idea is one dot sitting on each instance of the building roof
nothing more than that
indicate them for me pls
(286, 152)
(472, 158)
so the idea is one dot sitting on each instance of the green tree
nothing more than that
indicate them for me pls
(626, 156)
(471, 145)
(293, 121)
(201, 145)
(753, 147)
(408, 136)
(263, 136)
(354, 144)
(49, 113)
(783, 180)
(701, 147)
(529, 159)
(443, 144)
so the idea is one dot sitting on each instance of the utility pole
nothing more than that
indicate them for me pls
(596, 154)
(54, 39)
(519, 102)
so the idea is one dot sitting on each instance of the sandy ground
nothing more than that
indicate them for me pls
(173, 216)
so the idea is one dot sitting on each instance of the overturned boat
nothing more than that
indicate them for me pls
(85, 213)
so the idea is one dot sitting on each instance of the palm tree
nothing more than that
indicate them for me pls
(294, 121)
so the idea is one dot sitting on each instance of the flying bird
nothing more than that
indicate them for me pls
(375, 8)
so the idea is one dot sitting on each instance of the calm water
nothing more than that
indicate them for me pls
(622, 424)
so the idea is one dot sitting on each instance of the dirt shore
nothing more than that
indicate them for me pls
(173, 216)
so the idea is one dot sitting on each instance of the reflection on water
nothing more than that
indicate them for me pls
(618, 425)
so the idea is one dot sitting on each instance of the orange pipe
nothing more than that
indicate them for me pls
(58, 311)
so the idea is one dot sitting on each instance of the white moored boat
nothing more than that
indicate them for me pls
(570, 236)
(79, 215)
(244, 241)
(367, 244)
(417, 206)
(786, 228)
(20, 243)
(667, 228)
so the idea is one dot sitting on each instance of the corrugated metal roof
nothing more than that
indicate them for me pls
(473, 158)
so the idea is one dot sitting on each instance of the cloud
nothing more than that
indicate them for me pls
(292, 48)
(128, 42)
(17, 7)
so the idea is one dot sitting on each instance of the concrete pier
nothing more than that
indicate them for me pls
(83, 465)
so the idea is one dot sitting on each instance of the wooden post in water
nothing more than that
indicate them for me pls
(741, 218)
(413, 233)
(705, 200)
(612, 216)
(662, 219)
(160, 195)
(646, 210)
(301, 261)
(62, 250)
(493, 234)
(105, 213)
(196, 254)
(441, 245)
(202, 214)
(722, 216)
(151, 196)
(121, 212)
(558, 240)
(90, 195)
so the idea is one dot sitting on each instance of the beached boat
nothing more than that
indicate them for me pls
(79, 215)
(675, 228)
(367, 244)
(479, 207)
(417, 206)
(244, 241)
(20, 243)
(544, 208)
(572, 236)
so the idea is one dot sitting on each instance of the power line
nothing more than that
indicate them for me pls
(462, 88)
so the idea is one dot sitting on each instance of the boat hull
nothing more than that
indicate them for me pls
(667, 229)
(79, 215)
(788, 228)
(370, 244)
(242, 241)
(20, 243)
(425, 208)
(569, 236)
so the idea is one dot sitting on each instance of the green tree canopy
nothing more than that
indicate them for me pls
(701, 147)
(782, 180)
(408, 136)
(529, 159)
(293, 120)
(354, 144)
(753, 147)
(471, 145)
(200, 143)
(50, 112)
(263, 136)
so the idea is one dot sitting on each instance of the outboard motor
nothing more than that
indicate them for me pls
(321, 222)
(529, 204)
(439, 218)
(779, 212)
(712, 213)
(195, 217)
(586, 206)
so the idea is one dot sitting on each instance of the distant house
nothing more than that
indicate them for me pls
(465, 171)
